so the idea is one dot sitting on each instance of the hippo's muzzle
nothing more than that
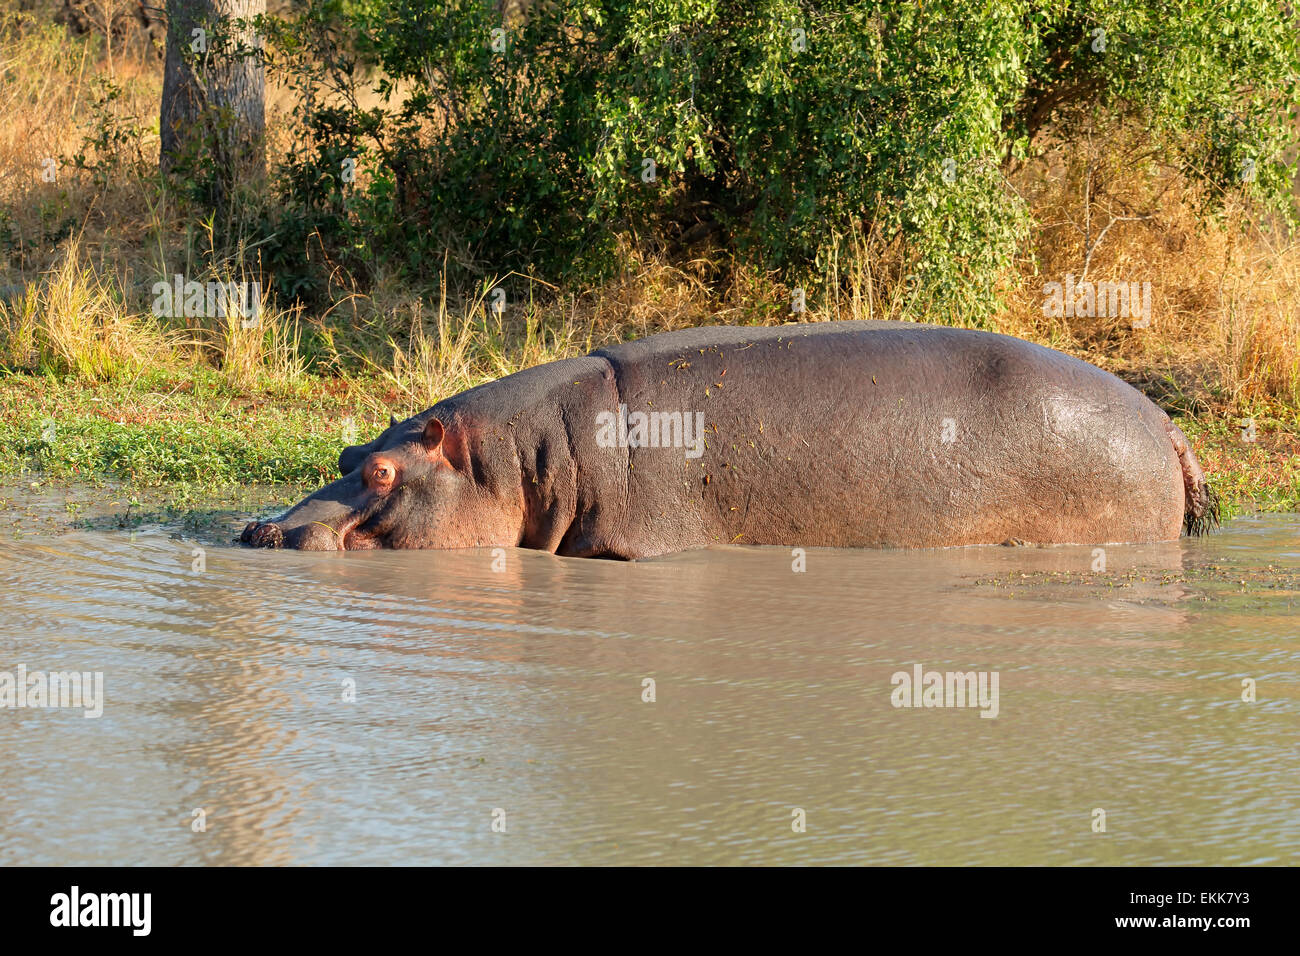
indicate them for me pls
(262, 534)
(325, 521)
(313, 536)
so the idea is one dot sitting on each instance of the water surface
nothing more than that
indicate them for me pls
(513, 691)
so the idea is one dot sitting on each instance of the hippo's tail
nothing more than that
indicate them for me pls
(1201, 512)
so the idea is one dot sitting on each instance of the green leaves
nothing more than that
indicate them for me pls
(791, 125)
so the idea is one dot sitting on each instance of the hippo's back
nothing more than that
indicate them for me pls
(889, 433)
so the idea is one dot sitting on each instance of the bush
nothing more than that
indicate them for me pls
(782, 129)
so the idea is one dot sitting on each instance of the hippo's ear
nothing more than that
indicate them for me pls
(392, 420)
(438, 439)
(351, 457)
(433, 434)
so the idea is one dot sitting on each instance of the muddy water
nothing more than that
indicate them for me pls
(514, 698)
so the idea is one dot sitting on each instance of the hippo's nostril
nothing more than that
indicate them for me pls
(263, 535)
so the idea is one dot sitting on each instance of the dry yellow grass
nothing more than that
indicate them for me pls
(1225, 317)
(73, 320)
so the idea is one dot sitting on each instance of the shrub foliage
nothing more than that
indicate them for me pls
(543, 141)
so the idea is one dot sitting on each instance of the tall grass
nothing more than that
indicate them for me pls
(77, 320)
(267, 347)
(1261, 333)
(73, 321)
(425, 358)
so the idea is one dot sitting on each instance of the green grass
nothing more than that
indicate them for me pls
(1258, 475)
(193, 432)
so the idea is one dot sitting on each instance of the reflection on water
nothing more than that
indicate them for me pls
(521, 690)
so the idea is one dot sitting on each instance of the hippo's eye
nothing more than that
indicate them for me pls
(382, 477)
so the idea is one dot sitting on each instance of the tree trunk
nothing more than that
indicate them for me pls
(213, 101)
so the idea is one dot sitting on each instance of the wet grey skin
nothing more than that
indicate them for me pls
(838, 434)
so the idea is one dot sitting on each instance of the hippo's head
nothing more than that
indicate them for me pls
(415, 486)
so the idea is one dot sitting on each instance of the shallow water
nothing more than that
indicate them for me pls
(516, 696)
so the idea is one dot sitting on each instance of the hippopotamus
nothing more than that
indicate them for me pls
(858, 434)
